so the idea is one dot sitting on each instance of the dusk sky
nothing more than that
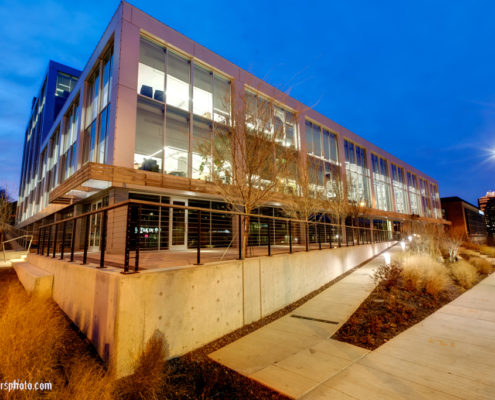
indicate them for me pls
(416, 78)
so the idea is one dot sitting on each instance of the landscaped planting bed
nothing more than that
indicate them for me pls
(409, 289)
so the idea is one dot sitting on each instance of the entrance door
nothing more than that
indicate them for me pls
(95, 227)
(178, 225)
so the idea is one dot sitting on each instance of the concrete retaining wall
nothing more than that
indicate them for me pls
(190, 305)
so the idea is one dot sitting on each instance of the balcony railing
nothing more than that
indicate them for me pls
(122, 234)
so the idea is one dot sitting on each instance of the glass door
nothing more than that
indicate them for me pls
(178, 225)
(95, 227)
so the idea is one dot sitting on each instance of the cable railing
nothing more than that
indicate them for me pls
(134, 233)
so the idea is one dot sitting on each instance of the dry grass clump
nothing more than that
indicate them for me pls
(422, 272)
(33, 333)
(37, 344)
(86, 380)
(464, 273)
(488, 250)
(471, 246)
(481, 264)
(149, 379)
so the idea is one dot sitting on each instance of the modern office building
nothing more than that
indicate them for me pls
(129, 126)
(487, 205)
(467, 219)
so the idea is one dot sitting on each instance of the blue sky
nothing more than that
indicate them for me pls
(417, 78)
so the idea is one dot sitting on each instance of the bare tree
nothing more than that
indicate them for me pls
(336, 201)
(250, 159)
(5, 212)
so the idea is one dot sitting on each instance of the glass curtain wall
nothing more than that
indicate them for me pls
(414, 196)
(97, 111)
(435, 201)
(68, 159)
(358, 176)
(191, 101)
(381, 183)
(323, 162)
(400, 190)
(425, 198)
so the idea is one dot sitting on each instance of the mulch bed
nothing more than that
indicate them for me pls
(389, 311)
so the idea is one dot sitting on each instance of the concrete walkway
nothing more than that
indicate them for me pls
(294, 354)
(450, 355)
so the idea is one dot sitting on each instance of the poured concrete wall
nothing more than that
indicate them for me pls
(190, 306)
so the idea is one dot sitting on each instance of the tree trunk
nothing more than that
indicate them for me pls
(245, 239)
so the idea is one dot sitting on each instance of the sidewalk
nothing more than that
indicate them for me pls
(450, 355)
(294, 354)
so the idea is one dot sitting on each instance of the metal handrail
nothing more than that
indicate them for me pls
(45, 231)
(11, 240)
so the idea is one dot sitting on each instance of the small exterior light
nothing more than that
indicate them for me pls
(386, 256)
(403, 245)
(409, 238)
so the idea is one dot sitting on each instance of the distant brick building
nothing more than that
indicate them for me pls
(466, 218)
(487, 205)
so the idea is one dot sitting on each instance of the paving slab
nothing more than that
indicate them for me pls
(295, 354)
(449, 355)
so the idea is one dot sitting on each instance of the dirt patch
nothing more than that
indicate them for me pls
(389, 311)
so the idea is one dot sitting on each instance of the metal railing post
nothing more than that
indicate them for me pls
(318, 235)
(198, 249)
(103, 243)
(290, 237)
(73, 240)
(127, 239)
(268, 235)
(55, 241)
(39, 241)
(136, 261)
(86, 240)
(240, 237)
(49, 240)
(307, 236)
(63, 241)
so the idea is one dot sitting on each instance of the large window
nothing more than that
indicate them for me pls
(400, 190)
(381, 183)
(65, 84)
(190, 99)
(321, 143)
(177, 143)
(148, 153)
(151, 73)
(358, 178)
(435, 201)
(414, 196)
(264, 116)
(97, 111)
(425, 198)
(68, 142)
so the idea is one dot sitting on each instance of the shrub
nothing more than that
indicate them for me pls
(464, 273)
(481, 264)
(388, 275)
(149, 377)
(422, 272)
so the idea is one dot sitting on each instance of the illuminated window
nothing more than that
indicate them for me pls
(148, 152)
(178, 79)
(151, 72)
